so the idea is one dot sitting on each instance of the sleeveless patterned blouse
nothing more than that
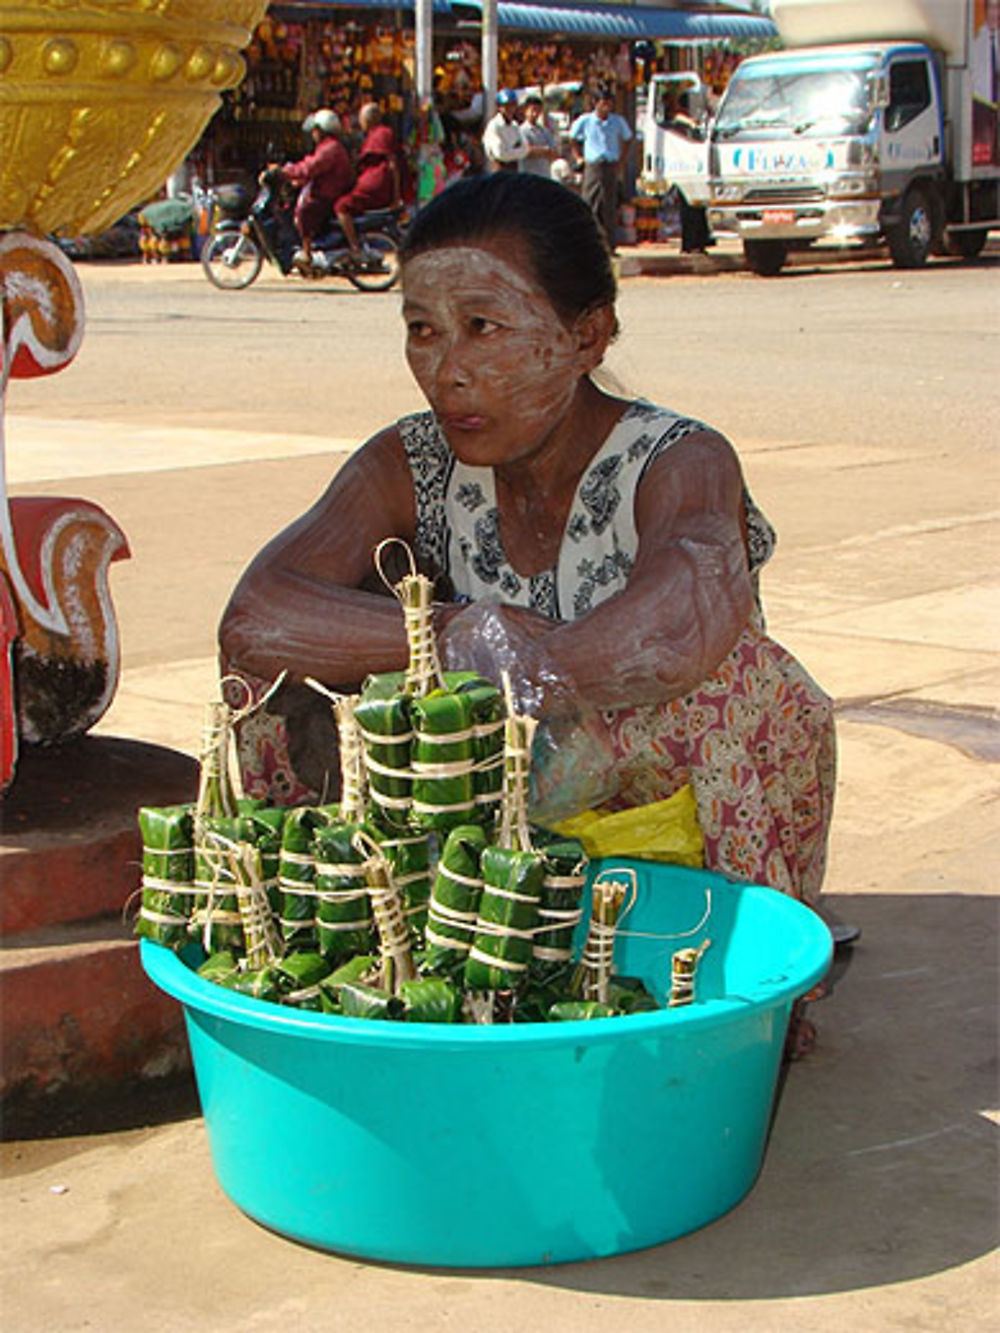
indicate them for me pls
(458, 523)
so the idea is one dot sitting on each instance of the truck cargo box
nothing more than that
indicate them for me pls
(942, 24)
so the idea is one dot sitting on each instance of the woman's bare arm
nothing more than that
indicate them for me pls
(299, 605)
(688, 596)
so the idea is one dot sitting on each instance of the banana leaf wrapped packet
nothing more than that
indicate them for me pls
(383, 718)
(410, 857)
(297, 874)
(168, 889)
(262, 984)
(487, 716)
(359, 1000)
(568, 1011)
(508, 919)
(454, 904)
(560, 906)
(683, 974)
(343, 910)
(594, 972)
(267, 822)
(218, 919)
(443, 761)
(219, 968)
(301, 975)
(362, 967)
(395, 941)
(430, 1000)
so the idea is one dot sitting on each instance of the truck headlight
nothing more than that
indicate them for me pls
(856, 184)
(726, 192)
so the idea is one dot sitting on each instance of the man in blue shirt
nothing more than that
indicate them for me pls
(599, 141)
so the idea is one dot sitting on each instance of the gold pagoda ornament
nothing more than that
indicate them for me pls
(100, 101)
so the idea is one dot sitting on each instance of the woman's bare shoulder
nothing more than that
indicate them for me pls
(370, 496)
(378, 466)
(700, 470)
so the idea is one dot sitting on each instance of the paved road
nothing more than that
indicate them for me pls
(863, 401)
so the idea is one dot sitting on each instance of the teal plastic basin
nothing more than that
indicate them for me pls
(479, 1147)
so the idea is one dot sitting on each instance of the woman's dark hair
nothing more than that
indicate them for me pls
(566, 247)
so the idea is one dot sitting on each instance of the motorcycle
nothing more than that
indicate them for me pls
(234, 254)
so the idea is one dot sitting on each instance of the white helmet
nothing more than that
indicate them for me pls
(324, 120)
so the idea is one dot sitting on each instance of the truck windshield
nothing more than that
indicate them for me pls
(806, 101)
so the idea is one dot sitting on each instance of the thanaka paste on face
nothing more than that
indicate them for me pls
(518, 379)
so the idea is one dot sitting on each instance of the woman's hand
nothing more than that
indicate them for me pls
(499, 640)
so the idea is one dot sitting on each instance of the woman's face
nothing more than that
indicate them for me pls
(495, 362)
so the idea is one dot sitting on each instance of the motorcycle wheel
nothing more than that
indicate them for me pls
(231, 260)
(380, 263)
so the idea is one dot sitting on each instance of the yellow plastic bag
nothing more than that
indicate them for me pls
(662, 831)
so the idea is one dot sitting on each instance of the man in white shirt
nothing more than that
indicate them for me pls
(503, 142)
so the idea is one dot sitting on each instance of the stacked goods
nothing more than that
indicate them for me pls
(423, 895)
(647, 219)
(165, 230)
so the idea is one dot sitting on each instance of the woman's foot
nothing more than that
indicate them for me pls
(801, 1038)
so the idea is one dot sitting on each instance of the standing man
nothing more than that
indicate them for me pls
(542, 145)
(503, 142)
(324, 175)
(599, 140)
(377, 185)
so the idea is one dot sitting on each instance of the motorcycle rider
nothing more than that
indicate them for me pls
(324, 175)
(377, 185)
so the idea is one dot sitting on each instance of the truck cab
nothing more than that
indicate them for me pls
(858, 141)
(675, 137)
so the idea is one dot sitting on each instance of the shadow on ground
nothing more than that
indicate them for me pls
(68, 1114)
(882, 1161)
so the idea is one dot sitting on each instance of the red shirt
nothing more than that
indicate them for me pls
(379, 146)
(328, 169)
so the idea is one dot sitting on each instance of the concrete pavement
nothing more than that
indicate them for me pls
(877, 1205)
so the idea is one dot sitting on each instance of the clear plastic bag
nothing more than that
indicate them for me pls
(573, 759)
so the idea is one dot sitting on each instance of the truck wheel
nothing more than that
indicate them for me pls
(910, 240)
(766, 258)
(965, 244)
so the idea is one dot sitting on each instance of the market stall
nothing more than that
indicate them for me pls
(310, 53)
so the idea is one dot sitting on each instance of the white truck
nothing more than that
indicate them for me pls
(877, 124)
(674, 127)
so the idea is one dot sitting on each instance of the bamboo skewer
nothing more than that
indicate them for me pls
(596, 966)
(395, 946)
